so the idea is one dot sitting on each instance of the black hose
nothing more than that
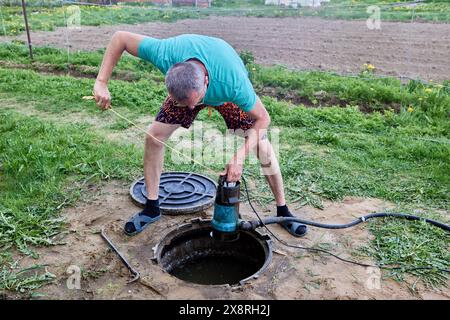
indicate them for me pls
(254, 224)
(251, 225)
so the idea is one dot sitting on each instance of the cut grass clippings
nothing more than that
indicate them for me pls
(403, 243)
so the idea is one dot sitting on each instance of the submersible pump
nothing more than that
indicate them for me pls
(225, 222)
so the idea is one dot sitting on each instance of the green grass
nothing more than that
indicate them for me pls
(437, 11)
(37, 161)
(48, 18)
(412, 244)
(311, 88)
(58, 93)
(366, 91)
(396, 144)
(24, 281)
(83, 63)
(340, 151)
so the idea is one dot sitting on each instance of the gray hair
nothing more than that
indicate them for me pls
(183, 78)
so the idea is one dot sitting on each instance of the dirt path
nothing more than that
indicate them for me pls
(416, 50)
(292, 274)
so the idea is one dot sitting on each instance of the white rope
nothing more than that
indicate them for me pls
(160, 141)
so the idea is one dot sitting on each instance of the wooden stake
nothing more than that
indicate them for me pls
(28, 29)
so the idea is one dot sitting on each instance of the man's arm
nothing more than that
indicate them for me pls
(121, 41)
(262, 122)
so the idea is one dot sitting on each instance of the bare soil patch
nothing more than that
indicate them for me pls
(415, 50)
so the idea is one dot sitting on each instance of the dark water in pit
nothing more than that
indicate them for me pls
(215, 270)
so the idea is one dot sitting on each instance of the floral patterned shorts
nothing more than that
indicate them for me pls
(234, 117)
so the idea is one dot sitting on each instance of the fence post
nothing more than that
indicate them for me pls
(28, 29)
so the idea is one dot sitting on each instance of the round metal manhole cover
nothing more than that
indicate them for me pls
(179, 192)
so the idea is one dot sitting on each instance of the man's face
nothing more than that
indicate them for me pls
(195, 99)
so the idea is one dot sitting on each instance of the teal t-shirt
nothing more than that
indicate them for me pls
(228, 77)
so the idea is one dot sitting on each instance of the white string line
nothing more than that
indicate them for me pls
(162, 142)
(190, 158)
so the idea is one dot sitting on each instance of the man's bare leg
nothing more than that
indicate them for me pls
(153, 164)
(154, 155)
(271, 170)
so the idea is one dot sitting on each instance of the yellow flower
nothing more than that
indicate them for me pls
(254, 69)
(428, 90)
(370, 67)
(410, 109)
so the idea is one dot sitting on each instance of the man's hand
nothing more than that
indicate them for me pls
(121, 41)
(102, 95)
(233, 170)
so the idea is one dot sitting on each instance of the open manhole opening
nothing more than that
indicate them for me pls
(179, 192)
(190, 254)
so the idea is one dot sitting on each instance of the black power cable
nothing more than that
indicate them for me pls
(256, 224)
(362, 219)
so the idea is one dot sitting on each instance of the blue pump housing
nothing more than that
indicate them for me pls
(225, 218)
(226, 211)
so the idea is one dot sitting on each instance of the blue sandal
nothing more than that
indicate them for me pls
(140, 222)
(291, 227)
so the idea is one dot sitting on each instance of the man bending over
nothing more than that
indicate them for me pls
(200, 71)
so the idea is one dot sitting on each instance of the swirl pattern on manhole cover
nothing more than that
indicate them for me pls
(179, 192)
